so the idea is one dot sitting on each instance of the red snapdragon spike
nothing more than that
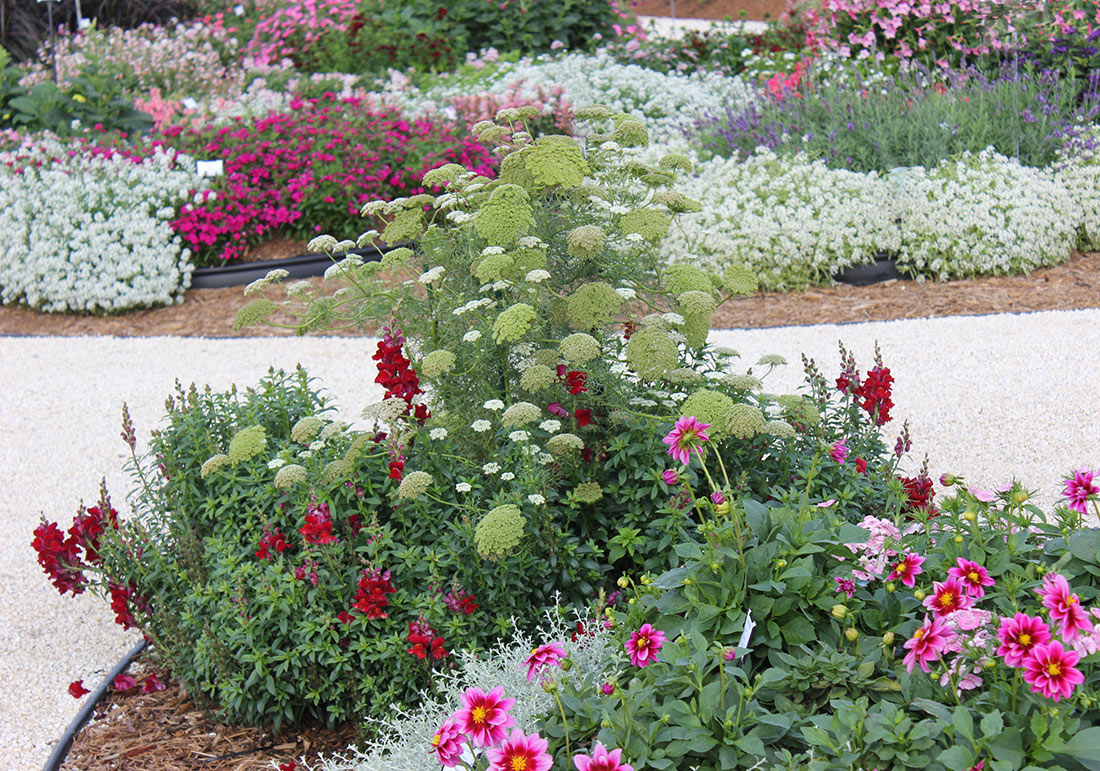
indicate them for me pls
(576, 381)
(874, 393)
(318, 526)
(121, 597)
(920, 491)
(370, 597)
(584, 417)
(59, 557)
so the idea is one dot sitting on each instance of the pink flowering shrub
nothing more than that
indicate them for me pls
(310, 169)
(555, 112)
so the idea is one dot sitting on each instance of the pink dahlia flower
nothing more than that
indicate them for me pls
(447, 743)
(1080, 489)
(686, 437)
(907, 570)
(927, 643)
(521, 752)
(601, 760)
(1050, 670)
(549, 655)
(1064, 607)
(947, 597)
(644, 645)
(484, 716)
(974, 577)
(1018, 635)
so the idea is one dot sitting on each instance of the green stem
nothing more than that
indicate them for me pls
(564, 722)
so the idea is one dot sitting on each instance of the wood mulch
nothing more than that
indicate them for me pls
(165, 731)
(1073, 284)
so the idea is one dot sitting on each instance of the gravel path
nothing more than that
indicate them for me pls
(989, 397)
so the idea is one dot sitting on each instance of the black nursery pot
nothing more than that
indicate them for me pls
(884, 268)
(302, 266)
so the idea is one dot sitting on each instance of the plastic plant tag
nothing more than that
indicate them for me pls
(83, 23)
(239, 10)
(210, 168)
(745, 635)
(190, 104)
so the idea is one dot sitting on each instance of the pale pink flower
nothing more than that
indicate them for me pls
(1050, 670)
(549, 655)
(644, 645)
(601, 760)
(1087, 644)
(985, 496)
(927, 643)
(1065, 607)
(686, 437)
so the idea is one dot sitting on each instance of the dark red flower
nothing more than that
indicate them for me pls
(920, 493)
(584, 417)
(151, 684)
(355, 524)
(861, 465)
(555, 408)
(425, 642)
(397, 468)
(77, 689)
(269, 541)
(345, 617)
(88, 527)
(576, 381)
(318, 526)
(59, 557)
(370, 596)
(874, 393)
(120, 603)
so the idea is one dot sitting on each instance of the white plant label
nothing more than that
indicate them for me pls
(239, 10)
(210, 168)
(190, 104)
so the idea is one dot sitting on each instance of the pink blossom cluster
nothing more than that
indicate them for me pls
(550, 102)
(291, 171)
(955, 627)
(483, 720)
(297, 24)
(907, 28)
(872, 555)
(184, 59)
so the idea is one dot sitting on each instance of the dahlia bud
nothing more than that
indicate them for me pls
(623, 582)
(958, 539)
(840, 612)
(646, 580)
(851, 634)
(888, 639)
(781, 563)
(969, 516)
(919, 594)
(722, 508)
(890, 586)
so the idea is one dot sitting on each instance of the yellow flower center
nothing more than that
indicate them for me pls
(1053, 669)
(534, 651)
(1024, 639)
(642, 642)
(902, 567)
(919, 633)
(1072, 600)
(947, 599)
(478, 714)
(973, 576)
(519, 763)
(435, 740)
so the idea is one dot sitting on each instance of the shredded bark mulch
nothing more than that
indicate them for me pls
(166, 731)
(1073, 284)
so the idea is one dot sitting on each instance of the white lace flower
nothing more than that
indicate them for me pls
(626, 293)
(531, 242)
(438, 433)
(494, 404)
(537, 276)
(500, 285)
(276, 463)
(507, 476)
(550, 426)
(472, 336)
(459, 217)
(519, 436)
(536, 499)
(491, 468)
(432, 275)
(673, 318)
(481, 425)
(543, 458)
(491, 250)
(463, 487)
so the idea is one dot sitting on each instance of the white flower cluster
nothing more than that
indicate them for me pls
(86, 233)
(791, 220)
(404, 741)
(984, 214)
(1078, 170)
(667, 102)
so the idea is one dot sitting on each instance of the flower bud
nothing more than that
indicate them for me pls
(607, 689)
(634, 683)
(839, 612)
(632, 601)
(781, 563)
(888, 639)
(969, 516)
(947, 480)
(722, 508)
(623, 582)
(958, 539)
(890, 586)
(851, 633)
(606, 724)
(989, 663)
(714, 567)
(646, 580)
(1020, 496)
(566, 665)
(919, 594)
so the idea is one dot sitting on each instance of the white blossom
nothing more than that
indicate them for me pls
(481, 426)
(494, 404)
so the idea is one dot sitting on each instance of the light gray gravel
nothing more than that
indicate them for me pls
(989, 397)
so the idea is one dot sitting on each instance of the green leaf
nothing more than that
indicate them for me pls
(958, 758)
(1084, 745)
(760, 521)
(963, 722)
(798, 631)
(992, 724)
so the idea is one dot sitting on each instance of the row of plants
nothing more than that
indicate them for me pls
(735, 578)
(215, 88)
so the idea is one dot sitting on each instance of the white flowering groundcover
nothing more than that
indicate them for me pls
(87, 232)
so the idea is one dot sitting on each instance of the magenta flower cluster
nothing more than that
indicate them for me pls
(300, 172)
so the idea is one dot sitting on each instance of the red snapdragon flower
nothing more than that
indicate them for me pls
(874, 394)
(370, 597)
(424, 641)
(318, 525)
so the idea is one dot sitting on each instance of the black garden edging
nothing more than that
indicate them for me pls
(882, 269)
(65, 743)
(302, 266)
